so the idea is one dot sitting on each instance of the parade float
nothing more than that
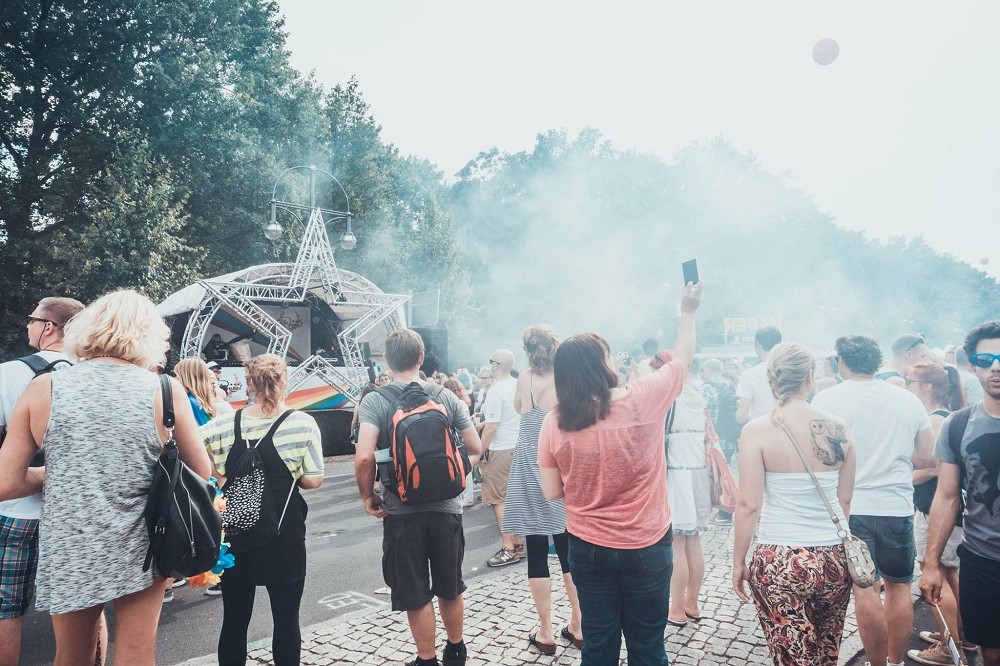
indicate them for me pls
(329, 324)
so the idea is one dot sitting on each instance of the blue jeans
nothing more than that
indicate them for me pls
(623, 592)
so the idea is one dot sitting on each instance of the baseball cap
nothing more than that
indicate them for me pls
(212, 365)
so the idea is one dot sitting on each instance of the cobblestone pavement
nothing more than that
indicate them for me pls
(500, 615)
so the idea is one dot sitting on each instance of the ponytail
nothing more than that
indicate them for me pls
(956, 393)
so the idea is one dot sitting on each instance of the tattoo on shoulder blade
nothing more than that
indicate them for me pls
(828, 439)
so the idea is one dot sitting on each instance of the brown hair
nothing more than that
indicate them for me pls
(540, 344)
(268, 380)
(403, 348)
(60, 310)
(583, 381)
(945, 383)
(198, 380)
(456, 387)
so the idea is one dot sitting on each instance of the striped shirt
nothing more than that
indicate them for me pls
(297, 440)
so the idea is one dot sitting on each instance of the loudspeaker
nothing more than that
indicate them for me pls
(436, 342)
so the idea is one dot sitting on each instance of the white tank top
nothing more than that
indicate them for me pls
(793, 513)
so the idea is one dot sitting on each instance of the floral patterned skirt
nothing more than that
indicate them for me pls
(801, 594)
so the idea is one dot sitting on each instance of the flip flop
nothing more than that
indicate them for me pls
(568, 635)
(545, 648)
(679, 625)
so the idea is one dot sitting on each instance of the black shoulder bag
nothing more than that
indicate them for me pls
(185, 530)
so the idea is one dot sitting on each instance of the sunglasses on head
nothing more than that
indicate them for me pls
(984, 361)
(920, 341)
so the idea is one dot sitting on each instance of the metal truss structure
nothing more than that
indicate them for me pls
(315, 271)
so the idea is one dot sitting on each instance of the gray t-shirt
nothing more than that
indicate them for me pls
(981, 464)
(376, 410)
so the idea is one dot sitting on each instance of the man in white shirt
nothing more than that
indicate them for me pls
(753, 390)
(892, 435)
(499, 437)
(19, 517)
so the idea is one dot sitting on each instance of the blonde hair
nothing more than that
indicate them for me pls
(123, 324)
(789, 367)
(267, 378)
(197, 379)
(540, 344)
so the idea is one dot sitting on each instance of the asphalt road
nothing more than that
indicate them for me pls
(344, 547)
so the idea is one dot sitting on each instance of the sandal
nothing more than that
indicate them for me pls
(545, 648)
(568, 635)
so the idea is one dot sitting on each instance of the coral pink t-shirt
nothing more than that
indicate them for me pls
(614, 473)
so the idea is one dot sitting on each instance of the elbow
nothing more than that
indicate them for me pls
(311, 482)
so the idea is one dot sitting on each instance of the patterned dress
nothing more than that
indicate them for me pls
(101, 447)
(526, 511)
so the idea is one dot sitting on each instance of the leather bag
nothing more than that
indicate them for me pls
(185, 529)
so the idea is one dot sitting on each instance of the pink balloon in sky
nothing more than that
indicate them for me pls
(826, 51)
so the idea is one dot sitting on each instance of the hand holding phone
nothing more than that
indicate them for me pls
(690, 269)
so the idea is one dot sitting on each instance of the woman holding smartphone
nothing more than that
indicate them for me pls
(601, 452)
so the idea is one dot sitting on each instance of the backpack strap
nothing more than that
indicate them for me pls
(391, 393)
(956, 432)
(39, 365)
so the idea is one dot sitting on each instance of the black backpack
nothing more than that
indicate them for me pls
(39, 366)
(428, 459)
(251, 517)
(185, 530)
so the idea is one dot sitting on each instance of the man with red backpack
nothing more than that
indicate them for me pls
(418, 437)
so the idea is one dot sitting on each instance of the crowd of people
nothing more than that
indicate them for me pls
(598, 461)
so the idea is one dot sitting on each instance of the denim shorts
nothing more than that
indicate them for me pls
(890, 540)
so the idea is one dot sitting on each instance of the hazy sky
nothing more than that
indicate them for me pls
(901, 135)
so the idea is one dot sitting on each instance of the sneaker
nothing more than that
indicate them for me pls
(214, 590)
(179, 582)
(417, 662)
(168, 596)
(720, 520)
(552, 552)
(935, 637)
(454, 655)
(935, 654)
(502, 558)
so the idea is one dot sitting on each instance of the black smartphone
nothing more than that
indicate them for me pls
(690, 272)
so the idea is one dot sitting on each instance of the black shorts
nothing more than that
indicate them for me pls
(978, 594)
(412, 541)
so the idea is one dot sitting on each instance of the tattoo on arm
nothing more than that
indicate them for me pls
(828, 439)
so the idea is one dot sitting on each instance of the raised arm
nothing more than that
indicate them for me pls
(690, 300)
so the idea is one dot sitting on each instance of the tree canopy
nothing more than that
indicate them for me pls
(139, 142)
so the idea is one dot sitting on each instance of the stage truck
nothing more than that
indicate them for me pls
(329, 324)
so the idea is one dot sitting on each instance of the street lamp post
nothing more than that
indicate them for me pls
(273, 229)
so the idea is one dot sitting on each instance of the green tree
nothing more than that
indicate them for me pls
(194, 100)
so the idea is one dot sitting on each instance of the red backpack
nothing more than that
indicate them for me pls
(429, 460)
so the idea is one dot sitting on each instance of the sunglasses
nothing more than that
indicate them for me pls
(984, 361)
(32, 318)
